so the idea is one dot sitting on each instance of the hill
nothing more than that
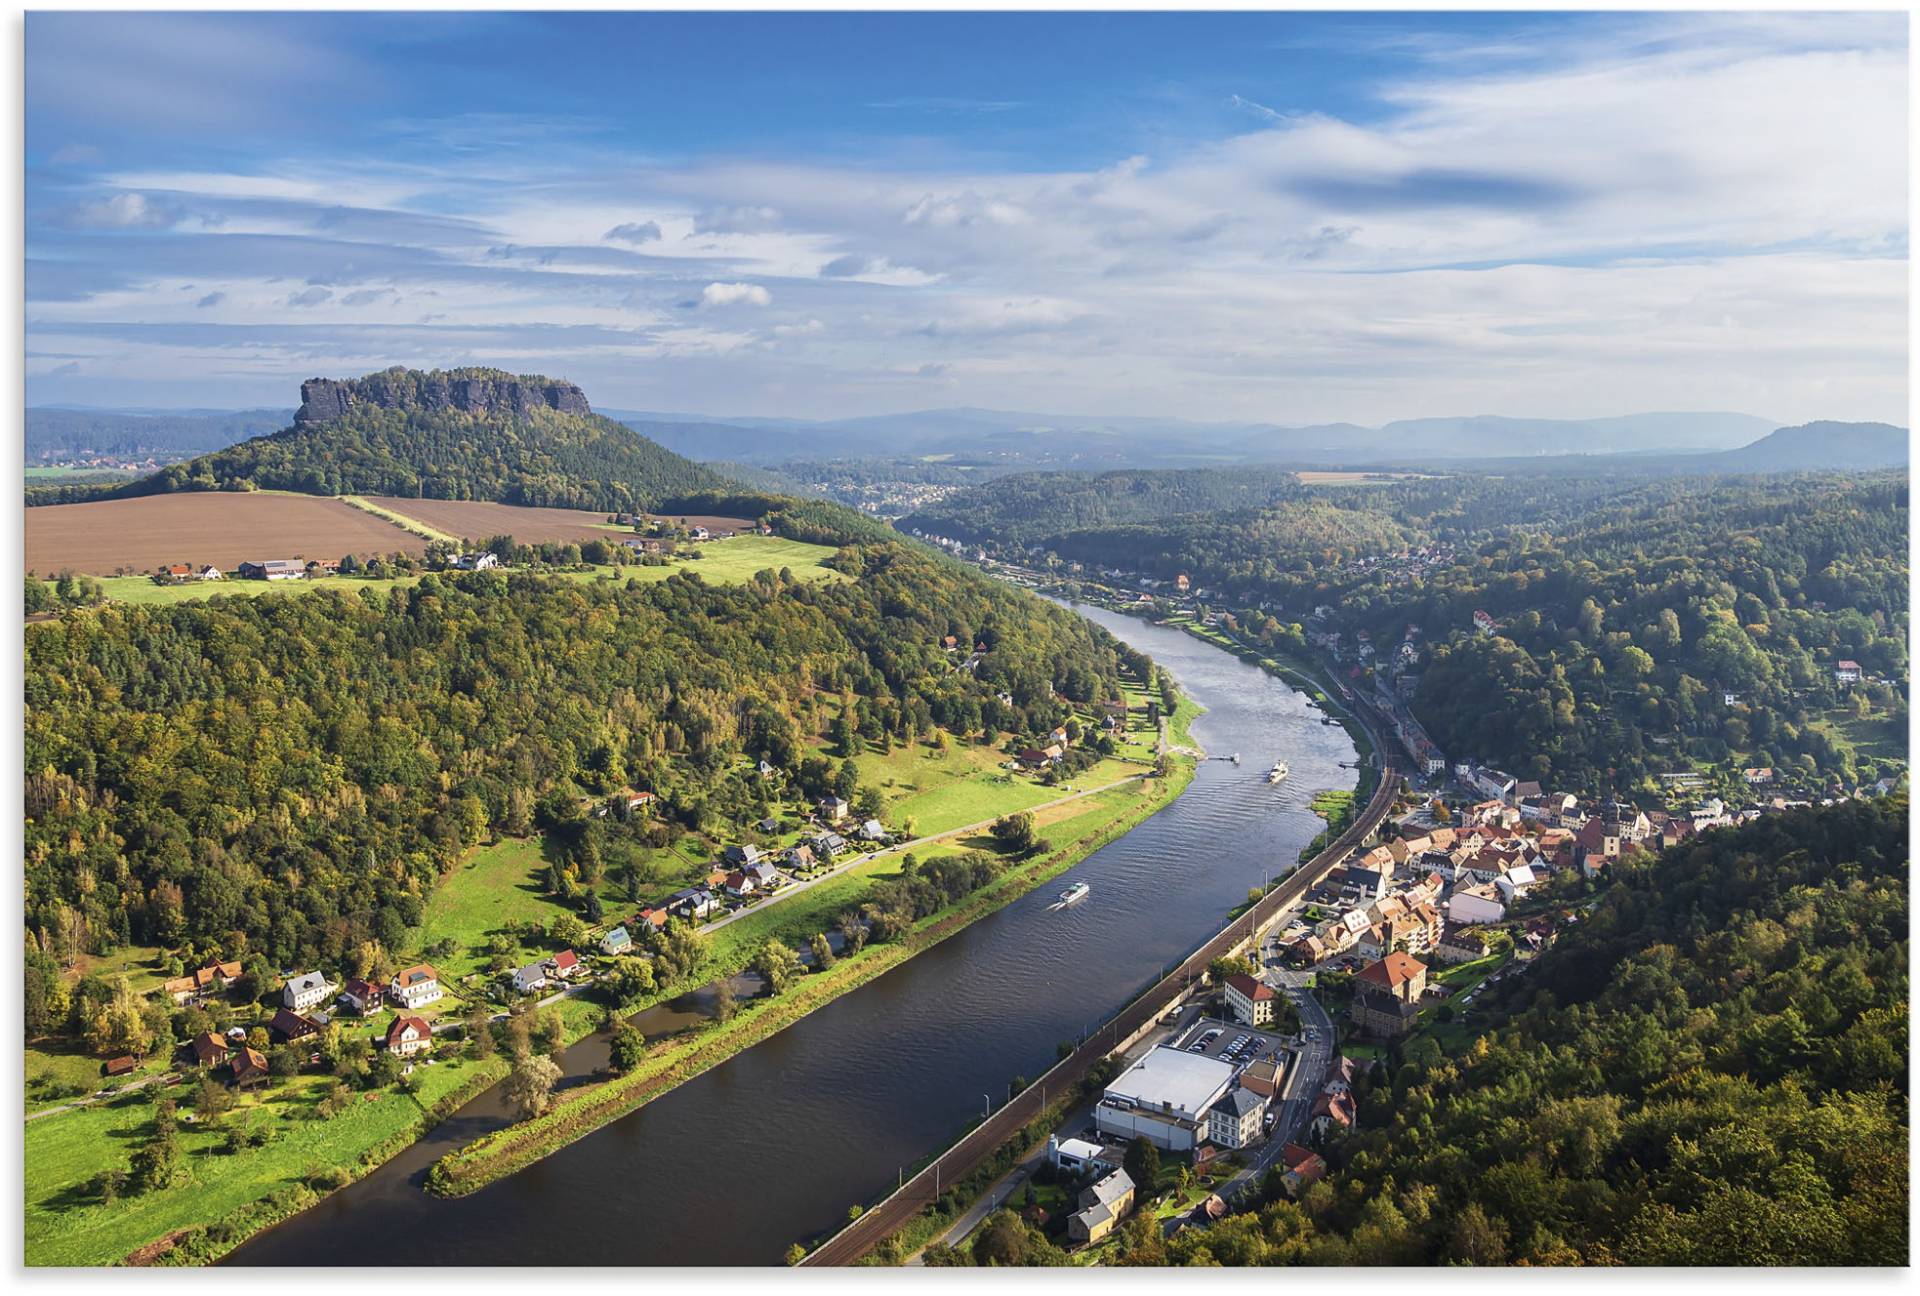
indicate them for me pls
(68, 435)
(479, 434)
(1025, 507)
(1814, 447)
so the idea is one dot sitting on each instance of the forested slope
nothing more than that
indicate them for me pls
(292, 775)
(1026, 507)
(1711, 1069)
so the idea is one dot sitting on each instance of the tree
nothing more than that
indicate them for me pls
(822, 951)
(1143, 1164)
(853, 932)
(1478, 1238)
(530, 1084)
(211, 1100)
(1014, 832)
(776, 965)
(724, 1002)
(157, 1164)
(795, 1254)
(625, 1050)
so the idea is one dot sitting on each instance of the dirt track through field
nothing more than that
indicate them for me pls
(479, 520)
(222, 528)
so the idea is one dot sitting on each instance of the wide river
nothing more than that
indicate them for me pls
(773, 1145)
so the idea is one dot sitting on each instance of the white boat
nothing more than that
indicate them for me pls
(1278, 772)
(1078, 891)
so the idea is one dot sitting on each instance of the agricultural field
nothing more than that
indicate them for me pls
(479, 521)
(1336, 478)
(223, 528)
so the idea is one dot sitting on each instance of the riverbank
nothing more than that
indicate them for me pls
(503, 1152)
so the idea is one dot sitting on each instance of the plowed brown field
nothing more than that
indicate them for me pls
(221, 528)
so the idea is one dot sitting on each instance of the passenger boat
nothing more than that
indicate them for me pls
(1078, 891)
(1278, 772)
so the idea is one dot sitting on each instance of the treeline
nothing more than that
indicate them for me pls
(59, 435)
(1024, 508)
(1628, 611)
(542, 457)
(1710, 1069)
(293, 775)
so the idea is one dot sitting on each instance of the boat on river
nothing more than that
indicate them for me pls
(1278, 772)
(1076, 892)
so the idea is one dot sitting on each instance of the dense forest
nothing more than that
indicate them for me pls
(431, 436)
(1025, 508)
(290, 776)
(1710, 1069)
(1628, 612)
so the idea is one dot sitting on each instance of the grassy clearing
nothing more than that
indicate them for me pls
(731, 562)
(142, 590)
(65, 1225)
(401, 520)
(496, 887)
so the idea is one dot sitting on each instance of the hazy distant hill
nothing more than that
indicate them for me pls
(1098, 442)
(479, 434)
(1815, 446)
(56, 435)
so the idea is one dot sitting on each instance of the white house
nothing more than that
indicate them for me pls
(1250, 1001)
(1470, 906)
(1515, 882)
(1846, 672)
(617, 941)
(415, 987)
(1234, 1121)
(530, 978)
(308, 990)
(1078, 1156)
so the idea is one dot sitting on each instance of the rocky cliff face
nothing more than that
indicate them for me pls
(476, 391)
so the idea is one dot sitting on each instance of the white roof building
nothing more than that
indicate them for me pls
(1173, 1082)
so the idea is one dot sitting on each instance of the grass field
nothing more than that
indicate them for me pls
(732, 562)
(142, 590)
(1874, 736)
(497, 885)
(67, 1226)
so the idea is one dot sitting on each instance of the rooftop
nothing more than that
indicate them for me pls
(1178, 1083)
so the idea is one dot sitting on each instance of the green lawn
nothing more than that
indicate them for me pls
(141, 589)
(497, 885)
(55, 1070)
(731, 562)
(67, 1226)
(1874, 736)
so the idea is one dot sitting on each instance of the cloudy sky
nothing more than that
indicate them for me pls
(1288, 218)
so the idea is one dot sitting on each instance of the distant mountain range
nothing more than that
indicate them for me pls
(1007, 439)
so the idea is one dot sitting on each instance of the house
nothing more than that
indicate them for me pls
(249, 1067)
(564, 966)
(1515, 883)
(1331, 1109)
(1234, 1121)
(700, 533)
(1079, 1156)
(308, 990)
(273, 569)
(1264, 1077)
(828, 844)
(652, 916)
(409, 1035)
(739, 884)
(208, 1049)
(177, 571)
(415, 987)
(203, 984)
(322, 567)
(1386, 995)
(530, 978)
(1475, 904)
(363, 996)
(291, 1026)
(210, 572)
(617, 941)
(1182, 583)
(765, 769)
(693, 902)
(1460, 945)
(1483, 622)
(799, 858)
(834, 809)
(1846, 672)
(1302, 1167)
(641, 801)
(764, 876)
(1032, 757)
(122, 1065)
(485, 560)
(1250, 1001)
(873, 832)
(741, 854)
(1101, 1205)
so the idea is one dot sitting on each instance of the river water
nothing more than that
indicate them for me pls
(773, 1145)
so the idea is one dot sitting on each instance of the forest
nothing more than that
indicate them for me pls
(1709, 1069)
(1628, 612)
(1025, 508)
(288, 778)
(543, 457)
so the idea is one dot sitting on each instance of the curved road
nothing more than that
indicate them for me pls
(876, 1225)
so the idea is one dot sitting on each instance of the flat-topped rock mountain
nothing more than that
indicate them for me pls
(472, 391)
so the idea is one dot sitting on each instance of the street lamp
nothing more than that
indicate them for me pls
(988, 1110)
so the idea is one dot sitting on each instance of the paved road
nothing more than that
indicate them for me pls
(888, 1216)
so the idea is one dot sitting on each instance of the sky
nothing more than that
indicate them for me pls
(1286, 218)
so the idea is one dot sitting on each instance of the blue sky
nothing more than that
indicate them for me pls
(1290, 218)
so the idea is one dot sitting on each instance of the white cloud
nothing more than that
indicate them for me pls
(123, 211)
(735, 294)
(637, 232)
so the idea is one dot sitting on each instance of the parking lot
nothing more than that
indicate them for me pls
(1237, 1045)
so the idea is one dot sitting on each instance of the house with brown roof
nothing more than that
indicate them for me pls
(415, 987)
(290, 1026)
(249, 1067)
(1251, 1001)
(1301, 1167)
(1332, 1109)
(208, 1049)
(363, 996)
(122, 1065)
(408, 1036)
(1386, 995)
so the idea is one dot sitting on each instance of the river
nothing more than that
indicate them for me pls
(773, 1145)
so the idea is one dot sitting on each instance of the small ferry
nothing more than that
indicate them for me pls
(1078, 891)
(1278, 772)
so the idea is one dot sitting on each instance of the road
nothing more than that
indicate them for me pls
(104, 1095)
(889, 1215)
